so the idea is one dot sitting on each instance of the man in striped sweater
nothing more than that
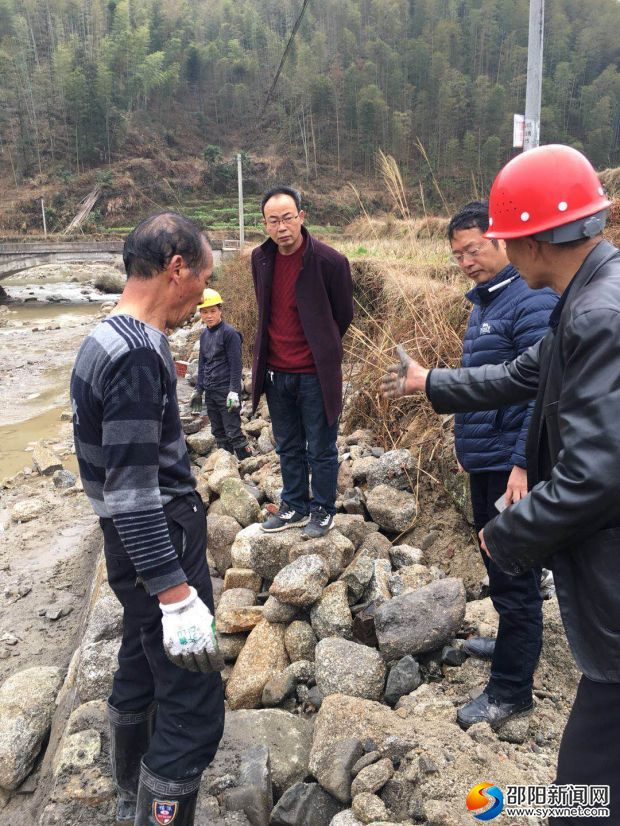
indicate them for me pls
(136, 473)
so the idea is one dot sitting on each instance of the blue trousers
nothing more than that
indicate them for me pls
(190, 706)
(517, 600)
(305, 443)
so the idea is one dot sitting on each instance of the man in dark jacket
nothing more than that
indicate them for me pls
(507, 318)
(305, 305)
(550, 207)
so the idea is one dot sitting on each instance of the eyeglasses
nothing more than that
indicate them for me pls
(474, 252)
(287, 220)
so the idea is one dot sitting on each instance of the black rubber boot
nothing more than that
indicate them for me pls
(130, 735)
(162, 801)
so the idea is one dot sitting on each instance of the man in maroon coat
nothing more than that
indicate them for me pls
(305, 305)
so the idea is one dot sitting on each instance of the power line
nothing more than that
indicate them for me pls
(284, 56)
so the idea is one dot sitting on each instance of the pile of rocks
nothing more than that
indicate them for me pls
(344, 662)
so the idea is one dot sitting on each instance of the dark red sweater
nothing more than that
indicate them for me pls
(288, 348)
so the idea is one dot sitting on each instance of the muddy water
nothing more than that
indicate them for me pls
(38, 361)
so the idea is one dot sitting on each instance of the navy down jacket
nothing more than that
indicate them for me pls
(503, 323)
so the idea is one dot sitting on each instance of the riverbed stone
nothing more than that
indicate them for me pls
(27, 703)
(28, 509)
(378, 589)
(438, 610)
(305, 804)
(238, 502)
(330, 615)
(403, 555)
(242, 578)
(45, 460)
(344, 667)
(97, 666)
(254, 793)
(241, 548)
(302, 581)
(391, 508)
(201, 443)
(357, 575)
(373, 777)
(266, 553)
(276, 611)
(395, 469)
(63, 479)
(221, 466)
(354, 527)
(237, 611)
(300, 641)
(221, 533)
(77, 752)
(265, 441)
(230, 645)
(360, 468)
(336, 550)
(334, 768)
(409, 578)
(346, 818)
(369, 808)
(263, 656)
(404, 677)
(287, 736)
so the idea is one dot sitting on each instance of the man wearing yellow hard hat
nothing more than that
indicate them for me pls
(219, 376)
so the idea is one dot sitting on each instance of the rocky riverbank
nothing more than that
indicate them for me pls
(344, 660)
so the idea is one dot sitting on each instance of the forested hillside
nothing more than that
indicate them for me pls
(77, 76)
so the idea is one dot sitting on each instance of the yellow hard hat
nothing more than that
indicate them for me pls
(209, 299)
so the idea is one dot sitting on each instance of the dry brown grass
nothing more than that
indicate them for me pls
(234, 283)
(612, 230)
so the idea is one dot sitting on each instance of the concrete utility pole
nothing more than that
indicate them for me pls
(240, 183)
(44, 221)
(533, 92)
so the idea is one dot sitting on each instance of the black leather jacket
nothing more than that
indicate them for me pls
(570, 521)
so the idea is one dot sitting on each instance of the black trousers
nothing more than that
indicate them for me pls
(590, 748)
(225, 424)
(517, 600)
(190, 706)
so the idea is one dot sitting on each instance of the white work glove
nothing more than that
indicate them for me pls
(232, 401)
(189, 635)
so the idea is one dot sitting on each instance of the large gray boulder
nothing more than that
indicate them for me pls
(336, 550)
(265, 553)
(27, 703)
(301, 582)
(97, 666)
(221, 533)
(330, 615)
(396, 469)
(392, 509)
(344, 667)
(287, 736)
(262, 656)
(305, 804)
(238, 502)
(422, 620)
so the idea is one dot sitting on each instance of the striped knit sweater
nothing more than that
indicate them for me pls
(129, 442)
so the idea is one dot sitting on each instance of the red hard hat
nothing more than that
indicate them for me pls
(550, 186)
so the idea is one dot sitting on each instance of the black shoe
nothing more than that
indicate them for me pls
(244, 452)
(320, 523)
(162, 801)
(130, 735)
(481, 647)
(284, 518)
(485, 709)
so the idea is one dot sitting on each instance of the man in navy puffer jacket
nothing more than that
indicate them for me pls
(506, 319)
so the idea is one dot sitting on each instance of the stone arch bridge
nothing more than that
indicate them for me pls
(18, 256)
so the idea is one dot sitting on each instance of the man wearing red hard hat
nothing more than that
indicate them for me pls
(549, 207)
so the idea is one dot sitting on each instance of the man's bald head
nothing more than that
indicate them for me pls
(150, 247)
